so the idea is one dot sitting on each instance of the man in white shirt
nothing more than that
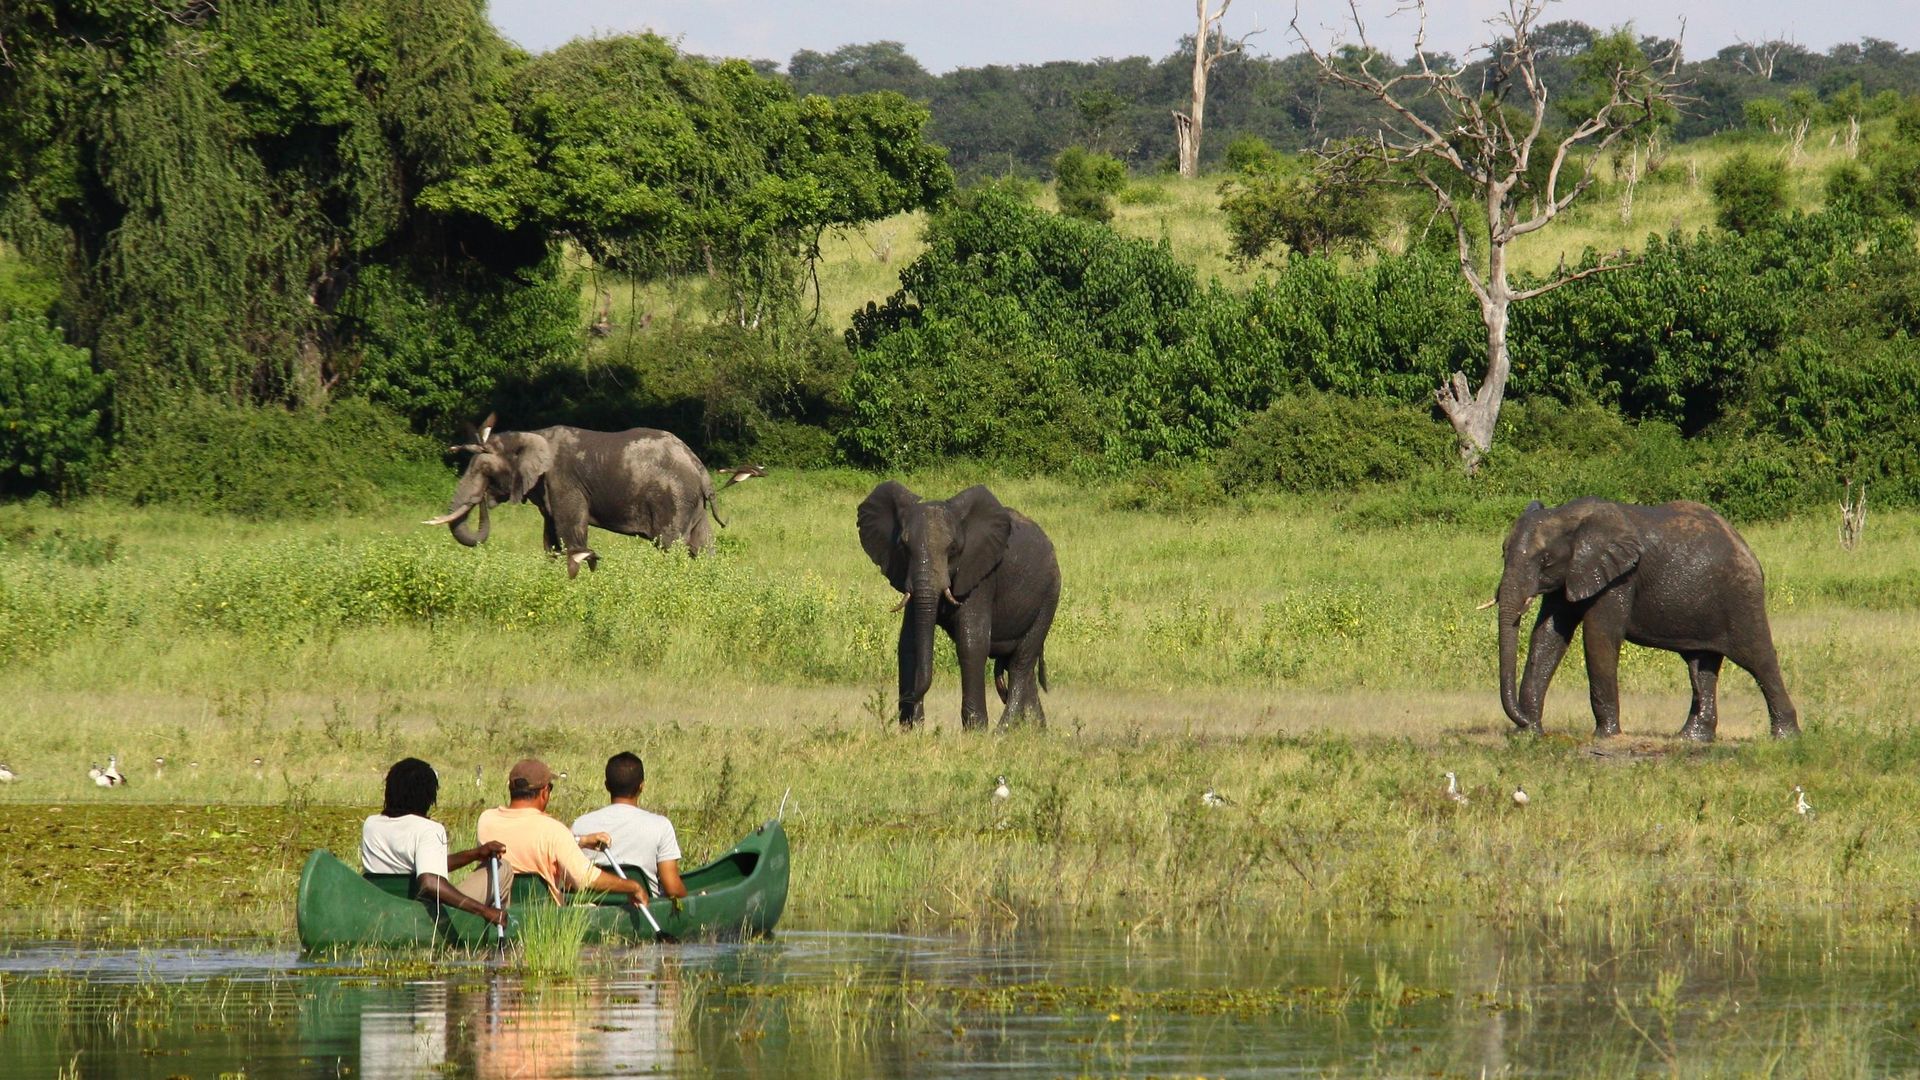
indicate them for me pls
(640, 838)
(402, 839)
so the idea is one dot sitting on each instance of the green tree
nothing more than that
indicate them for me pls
(1309, 210)
(1749, 191)
(1086, 183)
(51, 404)
(656, 162)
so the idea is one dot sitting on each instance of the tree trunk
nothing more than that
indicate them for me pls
(1186, 128)
(1474, 414)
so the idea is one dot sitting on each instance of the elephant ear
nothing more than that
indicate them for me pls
(529, 457)
(1604, 547)
(880, 516)
(984, 526)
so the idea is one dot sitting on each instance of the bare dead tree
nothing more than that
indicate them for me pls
(1486, 135)
(1760, 58)
(1210, 44)
(1853, 515)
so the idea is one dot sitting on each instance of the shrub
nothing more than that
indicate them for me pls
(1086, 182)
(1246, 153)
(263, 462)
(1323, 442)
(733, 394)
(1764, 113)
(51, 402)
(1307, 211)
(1749, 191)
(435, 355)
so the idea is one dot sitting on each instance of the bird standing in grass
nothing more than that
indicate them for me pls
(259, 768)
(159, 767)
(1800, 804)
(1210, 797)
(6, 773)
(1520, 796)
(1453, 790)
(1001, 792)
(114, 779)
(479, 776)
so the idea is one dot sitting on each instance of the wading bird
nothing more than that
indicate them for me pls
(112, 774)
(159, 767)
(259, 764)
(6, 773)
(479, 776)
(1520, 796)
(1800, 804)
(1001, 792)
(1453, 790)
(1211, 797)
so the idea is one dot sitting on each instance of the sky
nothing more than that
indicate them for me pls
(945, 34)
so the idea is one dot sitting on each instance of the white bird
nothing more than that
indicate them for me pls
(1453, 790)
(1800, 804)
(114, 779)
(259, 764)
(1520, 796)
(1001, 792)
(1211, 797)
(159, 766)
(94, 772)
(6, 773)
(478, 776)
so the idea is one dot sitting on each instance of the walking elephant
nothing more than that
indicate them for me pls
(1673, 577)
(640, 482)
(981, 572)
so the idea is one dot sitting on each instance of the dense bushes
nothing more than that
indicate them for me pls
(1749, 191)
(260, 463)
(1086, 182)
(1325, 442)
(50, 408)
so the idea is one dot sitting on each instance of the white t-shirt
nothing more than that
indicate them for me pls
(641, 838)
(403, 845)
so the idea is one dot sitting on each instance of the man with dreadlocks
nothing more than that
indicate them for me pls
(402, 839)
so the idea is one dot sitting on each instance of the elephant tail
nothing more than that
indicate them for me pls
(738, 475)
(712, 507)
(1000, 678)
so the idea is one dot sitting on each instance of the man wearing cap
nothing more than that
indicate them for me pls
(542, 845)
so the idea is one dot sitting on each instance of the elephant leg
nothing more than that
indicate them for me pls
(1552, 633)
(1764, 665)
(700, 536)
(548, 536)
(569, 524)
(1601, 634)
(1703, 719)
(1023, 669)
(970, 644)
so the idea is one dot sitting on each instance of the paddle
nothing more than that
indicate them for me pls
(493, 897)
(658, 934)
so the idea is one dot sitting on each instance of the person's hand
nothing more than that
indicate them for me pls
(492, 849)
(494, 915)
(598, 841)
(639, 898)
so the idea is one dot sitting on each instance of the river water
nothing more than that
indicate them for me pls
(1452, 998)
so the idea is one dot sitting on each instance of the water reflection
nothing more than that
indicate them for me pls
(1388, 1000)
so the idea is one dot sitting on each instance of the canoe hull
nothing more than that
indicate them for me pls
(741, 893)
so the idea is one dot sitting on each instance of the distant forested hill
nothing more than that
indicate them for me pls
(999, 118)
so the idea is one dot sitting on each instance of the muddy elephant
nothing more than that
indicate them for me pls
(983, 573)
(640, 482)
(1673, 577)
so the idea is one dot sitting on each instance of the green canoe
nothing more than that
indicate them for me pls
(738, 894)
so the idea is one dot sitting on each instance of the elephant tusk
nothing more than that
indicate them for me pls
(948, 593)
(1488, 604)
(449, 517)
(904, 597)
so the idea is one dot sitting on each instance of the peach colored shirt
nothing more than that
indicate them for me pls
(539, 844)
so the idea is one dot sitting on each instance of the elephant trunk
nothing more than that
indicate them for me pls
(464, 534)
(921, 612)
(1513, 604)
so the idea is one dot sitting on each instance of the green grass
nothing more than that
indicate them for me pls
(1321, 675)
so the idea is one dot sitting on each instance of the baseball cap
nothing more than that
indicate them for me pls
(528, 777)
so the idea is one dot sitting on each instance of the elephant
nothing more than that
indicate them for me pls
(983, 573)
(1674, 577)
(640, 482)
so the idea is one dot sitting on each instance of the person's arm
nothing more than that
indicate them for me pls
(492, 849)
(596, 841)
(632, 889)
(439, 889)
(670, 883)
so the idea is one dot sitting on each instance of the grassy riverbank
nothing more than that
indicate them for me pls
(1320, 673)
